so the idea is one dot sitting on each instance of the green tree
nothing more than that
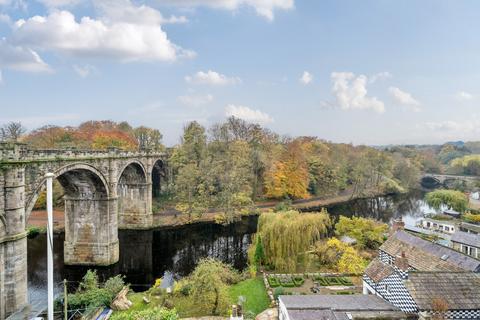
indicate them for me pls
(369, 233)
(210, 281)
(148, 138)
(452, 199)
(287, 236)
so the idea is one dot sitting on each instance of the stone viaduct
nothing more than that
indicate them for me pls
(104, 191)
(431, 180)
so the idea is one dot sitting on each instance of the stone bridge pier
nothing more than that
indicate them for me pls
(103, 191)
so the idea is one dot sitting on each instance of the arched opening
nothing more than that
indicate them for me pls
(133, 197)
(158, 176)
(89, 215)
(160, 194)
(429, 182)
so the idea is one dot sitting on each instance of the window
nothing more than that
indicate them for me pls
(447, 228)
(467, 250)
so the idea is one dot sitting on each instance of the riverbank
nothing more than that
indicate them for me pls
(174, 218)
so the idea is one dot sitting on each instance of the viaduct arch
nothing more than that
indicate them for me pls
(104, 191)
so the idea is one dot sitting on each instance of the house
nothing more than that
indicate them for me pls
(423, 255)
(468, 243)
(404, 263)
(456, 292)
(442, 226)
(469, 227)
(336, 307)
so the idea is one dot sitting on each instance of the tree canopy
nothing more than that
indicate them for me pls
(286, 236)
(369, 233)
(452, 199)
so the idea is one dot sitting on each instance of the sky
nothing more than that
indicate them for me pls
(363, 72)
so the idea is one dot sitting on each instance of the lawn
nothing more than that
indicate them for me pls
(255, 293)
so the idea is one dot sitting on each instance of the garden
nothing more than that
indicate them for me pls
(313, 283)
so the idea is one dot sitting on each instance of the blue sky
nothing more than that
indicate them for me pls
(366, 72)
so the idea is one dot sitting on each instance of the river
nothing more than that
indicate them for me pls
(147, 255)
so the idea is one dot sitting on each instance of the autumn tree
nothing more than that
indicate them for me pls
(336, 255)
(289, 176)
(47, 137)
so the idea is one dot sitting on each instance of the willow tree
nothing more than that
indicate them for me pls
(287, 236)
(453, 199)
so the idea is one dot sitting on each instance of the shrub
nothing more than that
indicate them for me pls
(298, 281)
(287, 283)
(472, 218)
(114, 285)
(91, 298)
(89, 281)
(33, 232)
(273, 281)
(149, 314)
(344, 292)
(346, 281)
(278, 292)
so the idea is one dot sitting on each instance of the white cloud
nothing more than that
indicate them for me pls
(404, 98)
(128, 37)
(59, 3)
(264, 8)
(380, 76)
(85, 70)
(125, 11)
(195, 100)
(211, 78)
(247, 114)
(464, 96)
(20, 58)
(5, 19)
(443, 125)
(351, 92)
(1, 77)
(449, 129)
(306, 78)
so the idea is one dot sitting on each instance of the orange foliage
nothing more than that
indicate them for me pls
(91, 134)
(113, 138)
(289, 175)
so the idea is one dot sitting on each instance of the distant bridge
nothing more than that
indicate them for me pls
(432, 180)
(104, 191)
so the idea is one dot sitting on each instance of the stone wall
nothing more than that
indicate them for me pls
(103, 190)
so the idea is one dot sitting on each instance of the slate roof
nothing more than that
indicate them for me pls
(424, 255)
(460, 290)
(357, 302)
(377, 270)
(326, 314)
(466, 238)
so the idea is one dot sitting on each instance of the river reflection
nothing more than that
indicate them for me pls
(146, 255)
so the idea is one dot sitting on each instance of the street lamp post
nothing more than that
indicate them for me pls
(50, 177)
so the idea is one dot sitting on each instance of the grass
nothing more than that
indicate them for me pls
(184, 305)
(255, 293)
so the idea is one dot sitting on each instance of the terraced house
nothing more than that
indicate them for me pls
(424, 278)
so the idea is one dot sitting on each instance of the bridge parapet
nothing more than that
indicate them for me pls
(12, 152)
